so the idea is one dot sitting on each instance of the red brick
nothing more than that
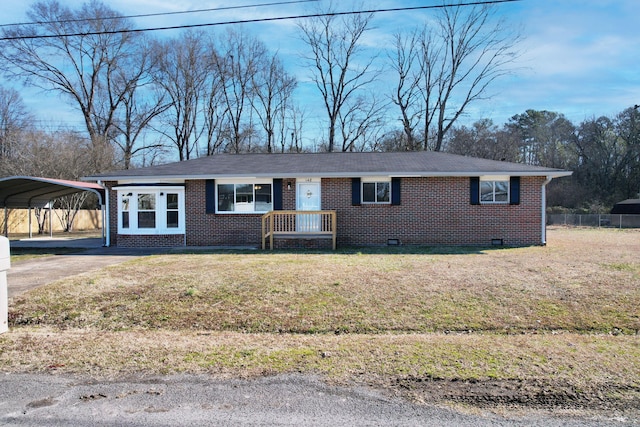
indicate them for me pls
(433, 211)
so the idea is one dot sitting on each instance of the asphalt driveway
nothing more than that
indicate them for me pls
(29, 274)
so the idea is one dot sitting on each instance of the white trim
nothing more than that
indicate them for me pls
(308, 179)
(149, 188)
(242, 208)
(160, 210)
(375, 181)
(319, 175)
(150, 181)
(494, 178)
(243, 181)
(379, 178)
(493, 182)
(107, 217)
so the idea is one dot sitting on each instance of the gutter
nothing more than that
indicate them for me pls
(291, 175)
(543, 192)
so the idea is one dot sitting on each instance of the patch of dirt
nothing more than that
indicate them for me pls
(495, 394)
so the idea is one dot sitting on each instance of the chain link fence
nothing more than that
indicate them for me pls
(595, 220)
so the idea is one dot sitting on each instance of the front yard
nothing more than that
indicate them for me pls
(553, 326)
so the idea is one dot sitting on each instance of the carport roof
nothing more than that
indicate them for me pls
(35, 192)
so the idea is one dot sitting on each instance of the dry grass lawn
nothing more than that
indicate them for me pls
(564, 317)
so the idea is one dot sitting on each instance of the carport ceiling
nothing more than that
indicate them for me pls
(33, 192)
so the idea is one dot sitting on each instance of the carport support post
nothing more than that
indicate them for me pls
(6, 222)
(50, 220)
(5, 263)
(30, 232)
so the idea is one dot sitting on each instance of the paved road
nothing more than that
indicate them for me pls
(49, 400)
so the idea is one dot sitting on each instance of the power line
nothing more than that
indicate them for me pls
(147, 15)
(249, 21)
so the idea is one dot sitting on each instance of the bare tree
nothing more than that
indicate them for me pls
(14, 119)
(335, 46)
(452, 66)
(215, 110)
(67, 208)
(141, 103)
(183, 68)
(404, 61)
(136, 114)
(360, 123)
(79, 54)
(273, 88)
(240, 57)
(297, 121)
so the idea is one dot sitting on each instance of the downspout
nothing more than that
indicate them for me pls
(106, 226)
(544, 210)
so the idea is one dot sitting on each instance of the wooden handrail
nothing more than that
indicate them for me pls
(319, 224)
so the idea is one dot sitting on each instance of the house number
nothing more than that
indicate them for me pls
(308, 180)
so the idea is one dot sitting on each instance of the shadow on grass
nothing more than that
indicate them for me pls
(354, 250)
(45, 251)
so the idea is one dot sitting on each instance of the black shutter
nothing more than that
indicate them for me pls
(395, 191)
(356, 200)
(210, 194)
(277, 194)
(514, 190)
(474, 182)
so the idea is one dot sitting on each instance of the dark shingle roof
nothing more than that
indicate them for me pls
(422, 163)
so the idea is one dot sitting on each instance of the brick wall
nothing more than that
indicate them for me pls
(217, 229)
(432, 211)
(436, 211)
(150, 240)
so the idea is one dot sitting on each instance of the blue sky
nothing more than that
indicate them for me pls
(578, 57)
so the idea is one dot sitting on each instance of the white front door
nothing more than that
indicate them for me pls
(308, 199)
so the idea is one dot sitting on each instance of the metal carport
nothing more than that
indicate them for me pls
(26, 192)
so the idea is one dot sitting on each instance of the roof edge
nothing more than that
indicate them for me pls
(142, 178)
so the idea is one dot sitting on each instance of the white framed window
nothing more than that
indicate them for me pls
(244, 196)
(151, 210)
(376, 190)
(494, 189)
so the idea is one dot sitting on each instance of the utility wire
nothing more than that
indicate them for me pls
(146, 15)
(248, 21)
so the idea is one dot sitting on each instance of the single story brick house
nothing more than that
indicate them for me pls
(353, 199)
